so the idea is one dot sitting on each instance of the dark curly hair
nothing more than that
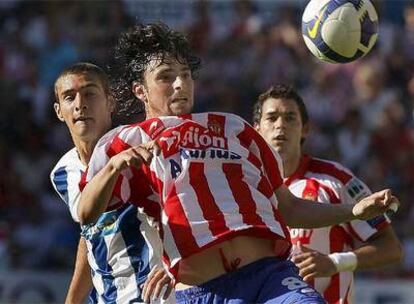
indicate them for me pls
(134, 51)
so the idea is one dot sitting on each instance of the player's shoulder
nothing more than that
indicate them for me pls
(70, 160)
(338, 176)
(66, 173)
(214, 115)
(154, 126)
(330, 169)
(110, 135)
(229, 122)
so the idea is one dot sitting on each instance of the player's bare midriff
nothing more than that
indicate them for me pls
(209, 264)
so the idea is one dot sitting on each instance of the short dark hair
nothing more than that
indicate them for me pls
(136, 48)
(85, 68)
(280, 91)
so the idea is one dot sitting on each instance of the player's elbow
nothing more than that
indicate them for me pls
(86, 220)
(295, 215)
(83, 220)
(286, 206)
(397, 254)
(288, 214)
(393, 249)
(85, 217)
(74, 297)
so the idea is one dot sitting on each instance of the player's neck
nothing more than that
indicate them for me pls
(291, 164)
(85, 149)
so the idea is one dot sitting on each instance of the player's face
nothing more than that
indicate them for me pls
(168, 89)
(281, 126)
(84, 106)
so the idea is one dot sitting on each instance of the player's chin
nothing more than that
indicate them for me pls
(181, 109)
(81, 129)
(278, 145)
(85, 132)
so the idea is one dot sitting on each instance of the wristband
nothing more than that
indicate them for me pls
(344, 261)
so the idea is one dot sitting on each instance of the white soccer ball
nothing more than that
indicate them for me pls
(339, 31)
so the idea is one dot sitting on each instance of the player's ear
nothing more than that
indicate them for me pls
(139, 90)
(56, 106)
(256, 127)
(112, 104)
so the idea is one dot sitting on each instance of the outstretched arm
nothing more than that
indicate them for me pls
(81, 282)
(98, 192)
(300, 213)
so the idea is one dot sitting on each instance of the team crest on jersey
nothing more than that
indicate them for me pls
(300, 235)
(311, 190)
(190, 135)
(215, 127)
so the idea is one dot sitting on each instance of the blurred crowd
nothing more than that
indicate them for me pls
(362, 113)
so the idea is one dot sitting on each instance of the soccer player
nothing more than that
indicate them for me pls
(326, 256)
(116, 243)
(220, 186)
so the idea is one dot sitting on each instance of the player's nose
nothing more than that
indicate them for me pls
(80, 103)
(279, 122)
(178, 83)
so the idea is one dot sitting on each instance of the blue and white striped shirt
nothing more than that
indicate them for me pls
(118, 251)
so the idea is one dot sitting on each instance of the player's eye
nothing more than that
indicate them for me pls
(186, 75)
(290, 118)
(90, 94)
(69, 98)
(166, 77)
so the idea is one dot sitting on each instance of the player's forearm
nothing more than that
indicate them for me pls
(97, 194)
(81, 283)
(306, 214)
(300, 213)
(384, 249)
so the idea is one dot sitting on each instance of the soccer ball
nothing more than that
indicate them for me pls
(339, 31)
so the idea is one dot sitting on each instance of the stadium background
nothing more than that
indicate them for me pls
(246, 46)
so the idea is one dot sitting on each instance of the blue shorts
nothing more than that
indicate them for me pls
(269, 280)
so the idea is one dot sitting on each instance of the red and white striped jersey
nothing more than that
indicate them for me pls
(215, 177)
(329, 182)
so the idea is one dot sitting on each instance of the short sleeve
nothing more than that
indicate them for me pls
(132, 185)
(65, 181)
(352, 192)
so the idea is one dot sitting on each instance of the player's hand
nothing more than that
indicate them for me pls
(375, 205)
(135, 156)
(313, 264)
(158, 284)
